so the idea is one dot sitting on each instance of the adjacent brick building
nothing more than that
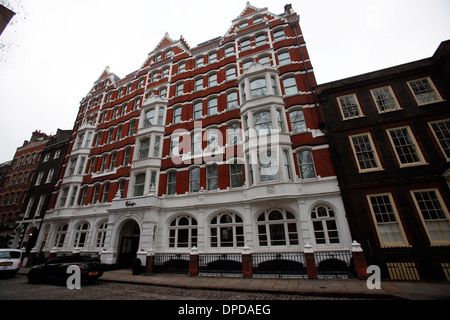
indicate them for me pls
(35, 204)
(17, 182)
(389, 133)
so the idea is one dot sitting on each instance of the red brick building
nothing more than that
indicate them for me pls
(17, 182)
(217, 147)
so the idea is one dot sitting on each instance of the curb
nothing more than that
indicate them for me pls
(350, 295)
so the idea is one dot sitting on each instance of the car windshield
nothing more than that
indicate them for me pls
(9, 255)
(68, 259)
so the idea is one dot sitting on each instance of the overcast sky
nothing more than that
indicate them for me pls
(54, 50)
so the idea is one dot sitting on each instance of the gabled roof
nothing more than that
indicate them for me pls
(107, 74)
(165, 41)
(249, 9)
(104, 74)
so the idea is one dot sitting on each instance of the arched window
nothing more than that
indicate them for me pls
(277, 228)
(81, 235)
(60, 236)
(101, 235)
(183, 232)
(324, 223)
(227, 230)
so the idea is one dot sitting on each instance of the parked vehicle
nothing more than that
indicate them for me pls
(10, 261)
(56, 269)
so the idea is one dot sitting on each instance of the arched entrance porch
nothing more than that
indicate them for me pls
(128, 243)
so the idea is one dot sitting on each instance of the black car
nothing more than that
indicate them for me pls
(56, 269)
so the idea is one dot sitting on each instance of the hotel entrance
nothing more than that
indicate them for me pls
(128, 244)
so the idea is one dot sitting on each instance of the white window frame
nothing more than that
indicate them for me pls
(356, 105)
(291, 238)
(192, 237)
(233, 228)
(392, 96)
(322, 220)
(433, 89)
(443, 208)
(372, 150)
(441, 141)
(387, 224)
(414, 143)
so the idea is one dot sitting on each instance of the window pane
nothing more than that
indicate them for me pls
(423, 91)
(195, 179)
(306, 163)
(258, 88)
(277, 236)
(263, 122)
(442, 132)
(211, 177)
(384, 100)
(349, 106)
(290, 86)
(404, 146)
(297, 121)
(364, 152)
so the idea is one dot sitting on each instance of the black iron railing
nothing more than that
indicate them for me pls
(220, 264)
(279, 265)
(171, 263)
(334, 264)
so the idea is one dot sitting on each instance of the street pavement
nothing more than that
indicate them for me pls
(343, 288)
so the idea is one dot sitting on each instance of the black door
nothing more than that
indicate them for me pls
(128, 248)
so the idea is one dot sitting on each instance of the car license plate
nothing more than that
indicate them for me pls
(93, 273)
(6, 264)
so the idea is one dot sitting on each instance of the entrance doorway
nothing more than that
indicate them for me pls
(128, 244)
(29, 239)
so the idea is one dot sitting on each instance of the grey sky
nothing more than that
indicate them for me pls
(57, 49)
